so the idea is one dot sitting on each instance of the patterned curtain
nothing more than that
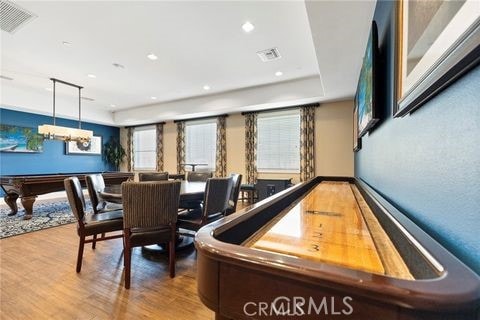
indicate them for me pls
(180, 146)
(251, 147)
(159, 132)
(130, 149)
(221, 148)
(307, 142)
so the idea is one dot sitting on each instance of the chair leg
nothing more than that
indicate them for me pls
(81, 244)
(127, 259)
(94, 242)
(171, 253)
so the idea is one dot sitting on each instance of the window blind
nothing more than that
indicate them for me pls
(145, 148)
(200, 143)
(278, 141)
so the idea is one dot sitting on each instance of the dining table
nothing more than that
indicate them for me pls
(189, 191)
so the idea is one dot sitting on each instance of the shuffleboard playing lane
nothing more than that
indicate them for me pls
(326, 225)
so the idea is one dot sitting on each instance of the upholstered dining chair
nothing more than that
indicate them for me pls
(198, 176)
(95, 184)
(232, 203)
(90, 224)
(150, 217)
(152, 176)
(217, 194)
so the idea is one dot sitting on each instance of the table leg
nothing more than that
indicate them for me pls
(11, 201)
(27, 203)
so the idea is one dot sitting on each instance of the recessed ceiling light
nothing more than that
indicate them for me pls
(278, 73)
(205, 87)
(152, 56)
(112, 105)
(91, 76)
(153, 98)
(248, 26)
(66, 43)
(48, 89)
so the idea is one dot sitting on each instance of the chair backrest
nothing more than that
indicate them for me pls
(150, 204)
(217, 194)
(95, 184)
(75, 198)
(236, 182)
(199, 176)
(153, 176)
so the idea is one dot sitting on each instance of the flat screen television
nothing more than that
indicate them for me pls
(365, 98)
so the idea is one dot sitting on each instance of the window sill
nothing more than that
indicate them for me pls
(278, 171)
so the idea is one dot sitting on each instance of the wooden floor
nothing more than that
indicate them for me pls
(38, 281)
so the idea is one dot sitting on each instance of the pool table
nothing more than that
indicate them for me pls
(28, 187)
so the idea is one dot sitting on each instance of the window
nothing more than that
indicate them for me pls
(278, 141)
(145, 148)
(200, 143)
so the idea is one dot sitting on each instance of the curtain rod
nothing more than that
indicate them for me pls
(283, 109)
(201, 118)
(144, 125)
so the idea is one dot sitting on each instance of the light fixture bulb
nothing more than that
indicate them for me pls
(152, 56)
(279, 73)
(248, 27)
(206, 87)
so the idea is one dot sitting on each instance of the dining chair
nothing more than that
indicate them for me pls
(95, 184)
(90, 224)
(232, 203)
(217, 194)
(150, 217)
(152, 176)
(199, 176)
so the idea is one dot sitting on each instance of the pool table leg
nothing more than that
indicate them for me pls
(11, 201)
(27, 203)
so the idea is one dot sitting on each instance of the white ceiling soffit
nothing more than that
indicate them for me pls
(340, 32)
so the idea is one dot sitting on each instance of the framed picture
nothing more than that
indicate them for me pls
(365, 96)
(357, 142)
(20, 139)
(93, 147)
(437, 41)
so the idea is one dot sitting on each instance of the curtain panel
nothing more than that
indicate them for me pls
(181, 152)
(221, 148)
(251, 147)
(307, 142)
(159, 133)
(130, 149)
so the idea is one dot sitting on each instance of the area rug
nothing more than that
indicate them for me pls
(45, 215)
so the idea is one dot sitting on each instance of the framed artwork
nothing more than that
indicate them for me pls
(92, 147)
(20, 139)
(437, 41)
(357, 142)
(365, 96)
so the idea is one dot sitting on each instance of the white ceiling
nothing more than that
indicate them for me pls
(197, 43)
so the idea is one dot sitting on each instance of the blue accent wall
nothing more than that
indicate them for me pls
(53, 158)
(428, 163)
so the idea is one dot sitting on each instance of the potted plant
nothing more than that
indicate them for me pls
(114, 152)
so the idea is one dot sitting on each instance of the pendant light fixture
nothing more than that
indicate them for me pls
(66, 133)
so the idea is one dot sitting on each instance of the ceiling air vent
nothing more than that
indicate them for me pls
(87, 99)
(12, 16)
(269, 54)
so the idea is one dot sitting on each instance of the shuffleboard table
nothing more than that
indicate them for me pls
(28, 187)
(331, 247)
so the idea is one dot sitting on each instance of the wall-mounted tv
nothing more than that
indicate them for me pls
(365, 97)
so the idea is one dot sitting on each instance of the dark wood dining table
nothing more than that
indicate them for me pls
(189, 191)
